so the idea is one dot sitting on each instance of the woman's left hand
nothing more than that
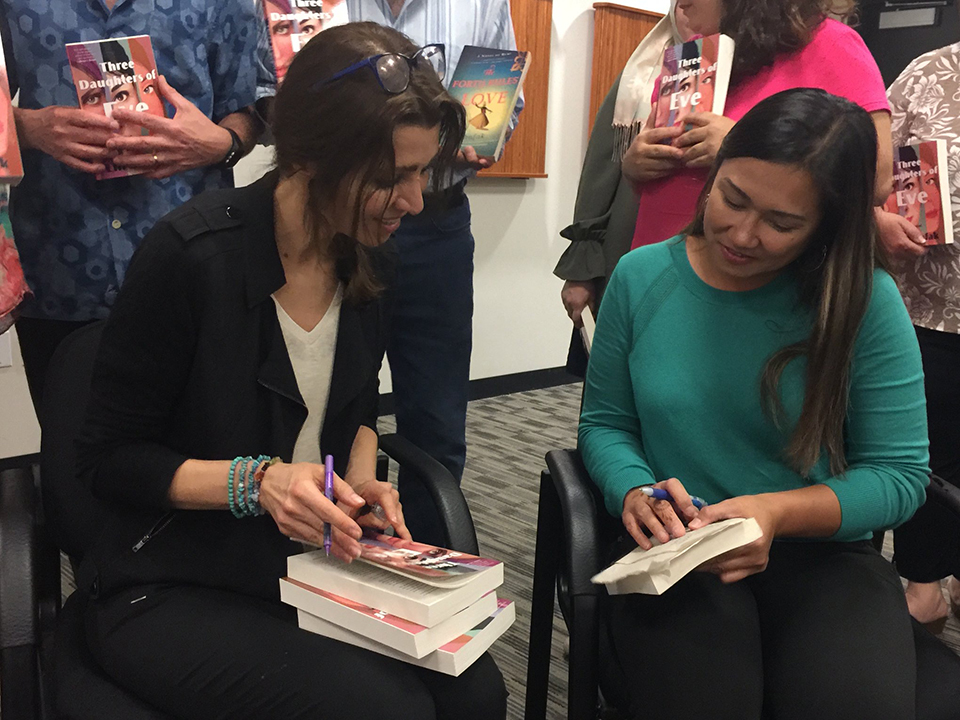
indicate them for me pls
(749, 559)
(702, 142)
(386, 496)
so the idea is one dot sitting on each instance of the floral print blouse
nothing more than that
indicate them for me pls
(925, 105)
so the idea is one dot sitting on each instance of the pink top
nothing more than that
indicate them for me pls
(835, 60)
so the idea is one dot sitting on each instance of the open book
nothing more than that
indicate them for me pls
(653, 571)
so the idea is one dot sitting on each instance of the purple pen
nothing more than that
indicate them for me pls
(661, 494)
(328, 491)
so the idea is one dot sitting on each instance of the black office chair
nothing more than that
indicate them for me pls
(573, 531)
(46, 670)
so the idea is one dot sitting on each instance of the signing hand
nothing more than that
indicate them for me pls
(575, 296)
(387, 497)
(186, 141)
(900, 238)
(293, 495)
(651, 156)
(76, 138)
(468, 156)
(660, 517)
(749, 559)
(701, 143)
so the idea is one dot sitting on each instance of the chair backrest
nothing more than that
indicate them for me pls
(73, 517)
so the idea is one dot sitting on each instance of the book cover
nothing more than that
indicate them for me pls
(116, 73)
(391, 592)
(408, 637)
(426, 563)
(921, 189)
(694, 77)
(654, 571)
(488, 83)
(450, 659)
(293, 23)
(588, 329)
(11, 165)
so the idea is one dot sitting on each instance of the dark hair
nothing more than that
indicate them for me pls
(833, 140)
(343, 131)
(762, 29)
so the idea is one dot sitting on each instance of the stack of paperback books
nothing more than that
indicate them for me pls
(418, 603)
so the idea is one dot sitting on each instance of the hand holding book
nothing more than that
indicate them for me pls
(174, 145)
(69, 135)
(652, 156)
(702, 138)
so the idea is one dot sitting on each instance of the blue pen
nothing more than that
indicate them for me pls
(661, 494)
(328, 491)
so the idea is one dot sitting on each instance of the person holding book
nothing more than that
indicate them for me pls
(779, 45)
(762, 360)
(925, 101)
(245, 345)
(75, 233)
(605, 213)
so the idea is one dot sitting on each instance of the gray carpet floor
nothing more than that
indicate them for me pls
(507, 438)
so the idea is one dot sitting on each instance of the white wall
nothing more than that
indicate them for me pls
(519, 324)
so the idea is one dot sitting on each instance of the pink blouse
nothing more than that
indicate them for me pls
(835, 60)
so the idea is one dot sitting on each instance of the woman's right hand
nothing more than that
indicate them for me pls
(651, 156)
(293, 495)
(900, 238)
(661, 517)
(577, 295)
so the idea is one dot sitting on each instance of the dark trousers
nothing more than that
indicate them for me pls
(822, 633)
(38, 340)
(200, 653)
(431, 336)
(927, 547)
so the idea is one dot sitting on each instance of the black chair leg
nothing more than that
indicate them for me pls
(584, 655)
(546, 562)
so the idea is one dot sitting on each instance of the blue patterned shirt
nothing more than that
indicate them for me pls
(76, 234)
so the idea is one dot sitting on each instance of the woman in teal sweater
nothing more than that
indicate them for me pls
(764, 363)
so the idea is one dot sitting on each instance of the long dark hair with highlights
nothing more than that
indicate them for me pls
(763, 29)
(833, 140)
(342, 132)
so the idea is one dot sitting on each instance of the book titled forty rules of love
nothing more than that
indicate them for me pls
(487, 82)
(654, 571)
(425, 605)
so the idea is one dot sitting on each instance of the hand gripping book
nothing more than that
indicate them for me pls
(11, 165)
(401, 581)
(694, 77)
(451, 659)
(488, 83)
(921, 189)
(116, 73)
(654, 571)
(395, 632)
(293, 23)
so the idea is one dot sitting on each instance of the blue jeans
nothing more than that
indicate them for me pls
(431, 336)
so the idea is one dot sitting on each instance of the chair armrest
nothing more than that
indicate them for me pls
(944, 493)
(581, 527)
(19, 559)
(444, 490)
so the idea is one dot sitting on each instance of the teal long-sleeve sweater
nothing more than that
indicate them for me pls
(673, 390)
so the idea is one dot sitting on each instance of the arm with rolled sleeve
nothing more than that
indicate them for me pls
(886, 421)
(609, 436)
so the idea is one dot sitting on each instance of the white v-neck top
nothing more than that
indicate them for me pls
(311, 354)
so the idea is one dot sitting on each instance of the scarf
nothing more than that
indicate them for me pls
(636, 83)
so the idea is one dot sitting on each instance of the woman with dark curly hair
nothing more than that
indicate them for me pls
(779, 45)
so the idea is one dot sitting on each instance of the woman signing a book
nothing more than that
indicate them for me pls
(244, 346)
(761, 360)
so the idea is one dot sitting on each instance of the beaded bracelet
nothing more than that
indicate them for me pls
(243, 491)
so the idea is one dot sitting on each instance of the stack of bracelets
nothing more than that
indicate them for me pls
(243, 484)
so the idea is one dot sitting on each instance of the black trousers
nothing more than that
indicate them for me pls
(201, 653)
(822, 633)
(927, 547)
(38, 340)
